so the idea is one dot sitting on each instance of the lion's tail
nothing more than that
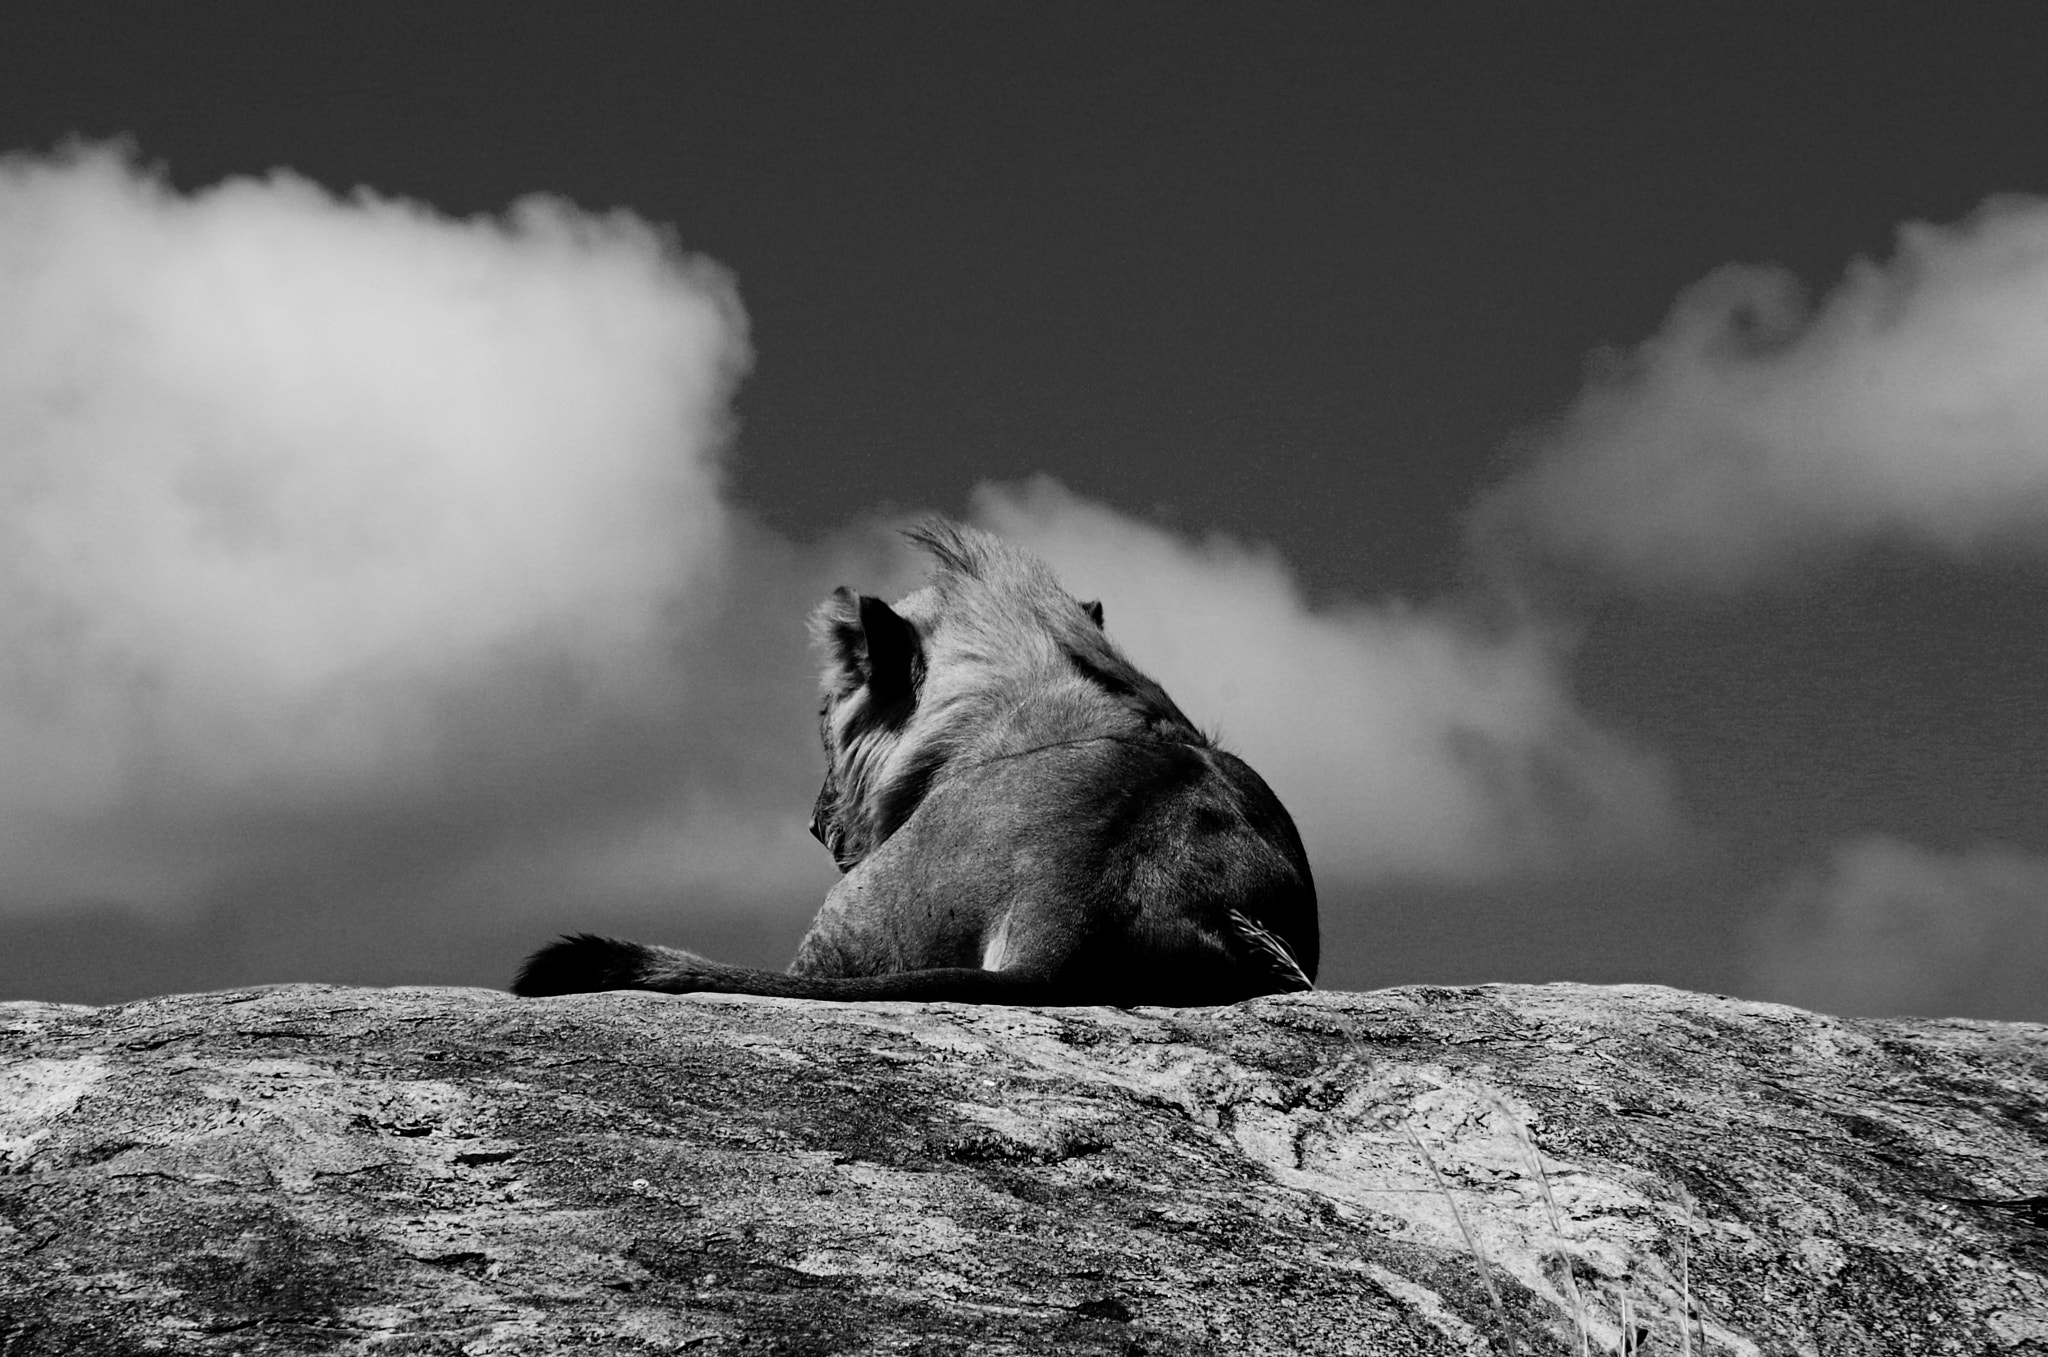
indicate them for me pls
(584, 962)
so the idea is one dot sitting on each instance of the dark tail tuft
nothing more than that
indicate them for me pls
(580, 963)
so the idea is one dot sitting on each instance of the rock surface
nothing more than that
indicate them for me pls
(314, 1169)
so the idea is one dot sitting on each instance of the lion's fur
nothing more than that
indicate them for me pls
(1002, 644)
(1023, 816)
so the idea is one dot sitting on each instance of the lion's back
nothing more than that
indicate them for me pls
(1114, 852)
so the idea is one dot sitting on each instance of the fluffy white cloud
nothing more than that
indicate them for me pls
(1888, 928)
(1406, 741)
(1754, 435)
(320, 502)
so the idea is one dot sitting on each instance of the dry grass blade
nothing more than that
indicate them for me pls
(1500, 1311)
(1685, 1280)
(1571, 1280)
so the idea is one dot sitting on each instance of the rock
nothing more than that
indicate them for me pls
(315, 1169)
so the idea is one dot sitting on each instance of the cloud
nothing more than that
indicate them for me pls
(1407, 741)
(1755, 435)
(1889, 928)
(322, 511)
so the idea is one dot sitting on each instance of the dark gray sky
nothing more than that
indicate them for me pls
(1321, 278)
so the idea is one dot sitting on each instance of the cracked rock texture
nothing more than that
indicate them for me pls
(316, 1169)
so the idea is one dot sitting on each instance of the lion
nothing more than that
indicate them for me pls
(1021, 815)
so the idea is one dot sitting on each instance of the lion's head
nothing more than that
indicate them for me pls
(960, 670)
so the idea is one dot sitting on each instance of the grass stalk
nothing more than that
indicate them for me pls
(1685, 1280)
(1571, 1280)
(1500, 1311)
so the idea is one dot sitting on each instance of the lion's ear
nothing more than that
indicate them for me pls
(892, 649)
(1093, 607)
(868, 643)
